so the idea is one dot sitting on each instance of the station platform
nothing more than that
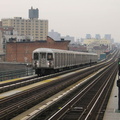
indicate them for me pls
(112, 112)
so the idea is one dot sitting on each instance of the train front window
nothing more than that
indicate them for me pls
(49, 56)
(43, 55)
(36, 57)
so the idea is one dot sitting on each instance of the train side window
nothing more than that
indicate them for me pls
(36, 56)
(49, 56)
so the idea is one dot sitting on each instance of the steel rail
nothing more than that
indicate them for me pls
(68, 105)
(107, 93)
(30, 80)
(26, 81)
(96, 100)
(28, 92)
(35, 115)
(28, 100)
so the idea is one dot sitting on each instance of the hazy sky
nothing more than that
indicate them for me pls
(70, 17)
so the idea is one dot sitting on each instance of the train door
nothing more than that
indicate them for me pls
(35, 60)
(43, 60)
(50, 60)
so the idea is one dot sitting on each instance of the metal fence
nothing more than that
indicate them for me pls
(12, 74)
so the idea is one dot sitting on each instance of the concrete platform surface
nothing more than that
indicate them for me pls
(112, 112)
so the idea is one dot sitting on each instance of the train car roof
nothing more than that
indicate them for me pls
(50, 50)
(43, 50)
(60, 51)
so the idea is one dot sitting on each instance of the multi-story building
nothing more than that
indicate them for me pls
(98, 46)
(97, 36)
(88, 36)
(95, 42)
(4, 31)
(54, 35)
(8, 34)
(32, 27)
(22, 51)
(107, 36)
(67, 37)
(57, 36)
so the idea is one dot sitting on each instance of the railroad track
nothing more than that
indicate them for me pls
(90, 102)
(15, 104)
(10, 85)
(30, 97)
(7, 86)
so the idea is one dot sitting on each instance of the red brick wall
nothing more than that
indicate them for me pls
(22, 51)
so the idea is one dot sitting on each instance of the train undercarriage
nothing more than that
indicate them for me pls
(44, 71)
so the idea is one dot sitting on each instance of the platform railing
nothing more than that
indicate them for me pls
(12, 74)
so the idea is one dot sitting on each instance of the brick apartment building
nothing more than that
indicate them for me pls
(22, 51)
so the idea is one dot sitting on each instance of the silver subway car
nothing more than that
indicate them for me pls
(46, 60)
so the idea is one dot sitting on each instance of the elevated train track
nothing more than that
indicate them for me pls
(36, 94)
(68, 103)
(90, 102)
(29, 97)
(20, 82)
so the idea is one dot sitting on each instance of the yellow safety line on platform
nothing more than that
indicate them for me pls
(11, 80)
(2, 95)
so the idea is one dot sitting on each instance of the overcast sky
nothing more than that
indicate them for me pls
(70, 17)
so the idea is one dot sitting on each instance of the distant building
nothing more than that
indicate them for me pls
(95, 42)
(76, 47)
(4, 31)
(100, 49)
(107, 36)
(33, 13)
(57, 36)
(97, 36)
(8, 34)
(88, 36)
(22, 51)
(34, 27)
(67, 37)
(98, 46)
(112, 40)
(54, 35)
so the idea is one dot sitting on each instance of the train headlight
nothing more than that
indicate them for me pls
(48, 63)
(37, 64)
